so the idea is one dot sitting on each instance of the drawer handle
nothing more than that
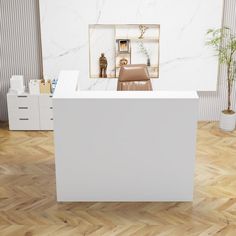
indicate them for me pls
(22, 96)
(50, 96)
(51, 119)
(23, 108)
(24, 119)
(50, 107)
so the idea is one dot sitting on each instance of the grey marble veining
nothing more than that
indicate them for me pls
(186, 63)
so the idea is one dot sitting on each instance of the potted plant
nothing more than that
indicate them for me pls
(224, 42)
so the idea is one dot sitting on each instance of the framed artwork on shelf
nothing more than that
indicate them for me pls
(123, 45)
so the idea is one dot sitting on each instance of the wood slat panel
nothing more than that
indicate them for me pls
(20, 44)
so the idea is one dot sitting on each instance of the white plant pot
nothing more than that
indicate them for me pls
(227, 121)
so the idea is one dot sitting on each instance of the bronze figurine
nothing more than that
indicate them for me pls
(103, 66)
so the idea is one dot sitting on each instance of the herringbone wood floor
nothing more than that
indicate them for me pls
(28, 206)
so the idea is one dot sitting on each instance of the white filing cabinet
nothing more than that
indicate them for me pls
(30, 112)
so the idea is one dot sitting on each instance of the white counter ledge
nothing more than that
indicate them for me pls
(68, 87)
(124, 146)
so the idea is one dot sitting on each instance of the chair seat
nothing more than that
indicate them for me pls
(134, 86)
(134, 77)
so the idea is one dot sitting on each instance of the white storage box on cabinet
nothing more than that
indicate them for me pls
(46, 112)
(23, 112)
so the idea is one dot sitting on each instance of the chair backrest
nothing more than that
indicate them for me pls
(134, 77)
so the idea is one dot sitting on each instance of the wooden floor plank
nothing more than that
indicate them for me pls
(28, 202)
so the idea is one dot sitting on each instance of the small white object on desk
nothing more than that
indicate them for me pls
(34, 87)
(17, 84)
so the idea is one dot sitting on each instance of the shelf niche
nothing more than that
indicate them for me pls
(105, 38)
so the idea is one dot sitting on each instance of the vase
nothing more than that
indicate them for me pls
(148, 62)
(227, 121)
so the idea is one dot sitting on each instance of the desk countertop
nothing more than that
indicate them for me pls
(67, 87)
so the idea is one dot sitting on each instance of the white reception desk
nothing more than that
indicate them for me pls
(123, 146)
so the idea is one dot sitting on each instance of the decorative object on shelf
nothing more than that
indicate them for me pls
(34, 86)
(17, 84)
(103, 66)
(54, 84)
(123, 62)
(143, 49)
(45, 86)
(224, 42)
(143, 30)
(123, 45)
(123, 54)
(145, 52)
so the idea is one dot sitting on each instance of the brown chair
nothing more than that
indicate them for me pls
(134, 78)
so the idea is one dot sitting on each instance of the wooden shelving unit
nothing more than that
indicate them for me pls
(131, 32)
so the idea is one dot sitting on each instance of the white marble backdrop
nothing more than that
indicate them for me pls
(185, 62)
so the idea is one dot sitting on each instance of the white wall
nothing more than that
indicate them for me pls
(211, 103)
(20, 17)
(186, 63)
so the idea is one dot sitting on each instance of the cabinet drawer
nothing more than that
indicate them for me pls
(15, 101)
(46, 123)
(23, 123)
(23, 110)
(21, 113)
(30, 112)
(45, 100)
(46, 118)
(46, 112)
